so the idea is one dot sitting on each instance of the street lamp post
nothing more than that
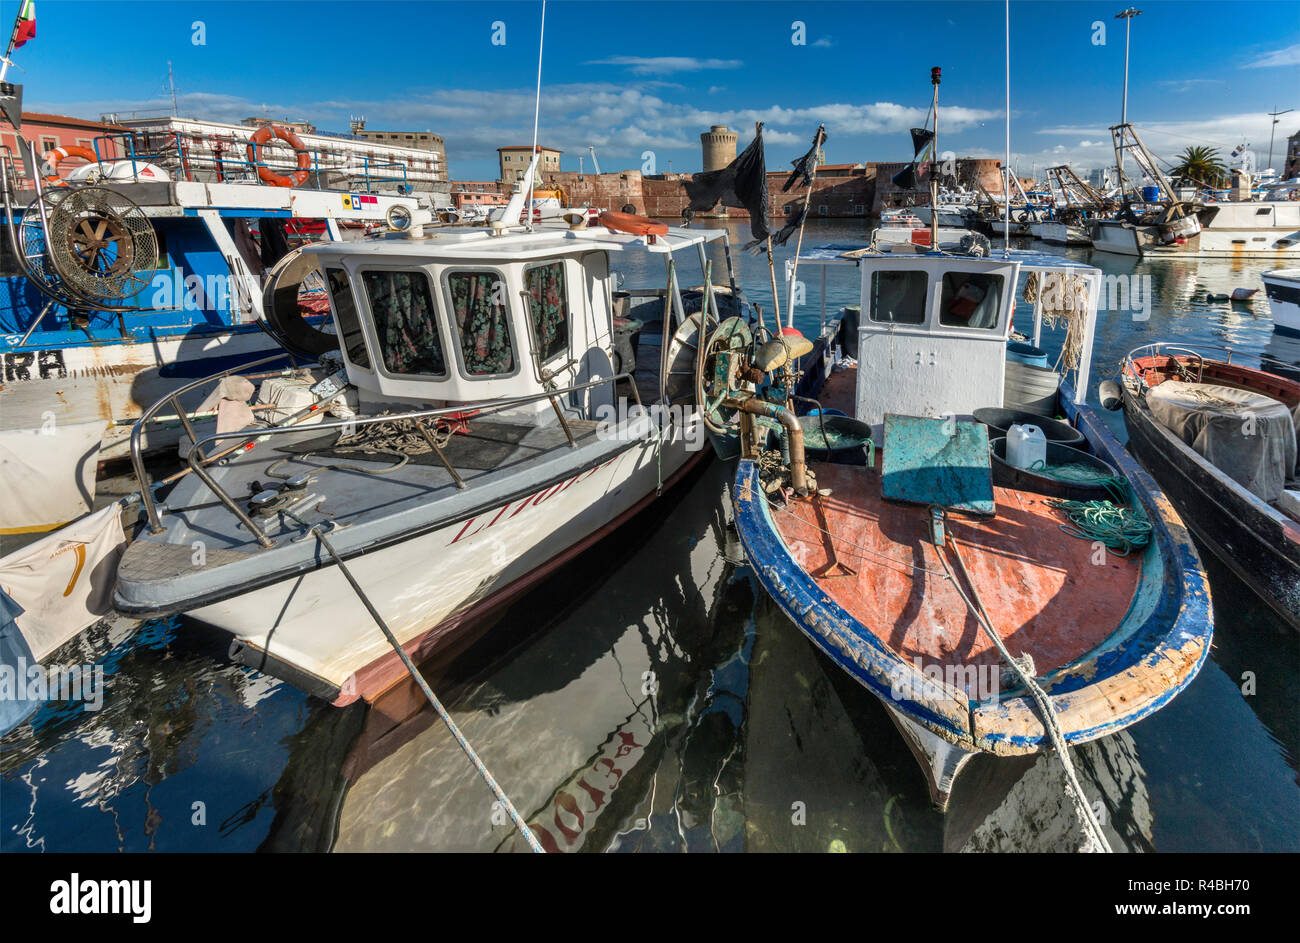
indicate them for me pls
(1127, 17)
(1274, 115)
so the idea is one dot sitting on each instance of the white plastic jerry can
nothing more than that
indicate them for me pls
(1026, 445)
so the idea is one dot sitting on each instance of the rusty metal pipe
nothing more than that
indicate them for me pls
(798, 464)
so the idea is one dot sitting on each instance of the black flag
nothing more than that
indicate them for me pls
(921, 138)
(11, 104)
(905, 179)
(803, 167)
(790, 228)
(742, 184)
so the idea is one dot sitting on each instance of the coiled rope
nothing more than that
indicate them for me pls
(1122, 527)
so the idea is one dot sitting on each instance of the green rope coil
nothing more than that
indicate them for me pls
(1122, 526)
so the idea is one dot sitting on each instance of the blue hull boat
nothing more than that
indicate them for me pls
(988, 618)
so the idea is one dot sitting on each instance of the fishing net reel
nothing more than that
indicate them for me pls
(90, 247)
(711, 372)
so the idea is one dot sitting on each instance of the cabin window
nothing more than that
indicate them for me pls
(970, 299)
(898, 297)
(405, 323)
(478, 303)
(345, 313)
(548, 306)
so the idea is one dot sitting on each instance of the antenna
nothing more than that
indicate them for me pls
(537, 110)
(171, 84)
(1006, 161)
(1274, 115)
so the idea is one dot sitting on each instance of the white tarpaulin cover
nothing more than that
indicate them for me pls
(48, 477)
(1248, 436)
(64, 581)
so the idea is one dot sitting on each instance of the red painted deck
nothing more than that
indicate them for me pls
(1042, 590)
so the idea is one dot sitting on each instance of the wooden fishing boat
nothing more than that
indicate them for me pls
(921, 575)
(1220, 438)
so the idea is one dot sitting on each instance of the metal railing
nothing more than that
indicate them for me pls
(363, 173)
(197, 460)
(173, 399)
(1162, 348)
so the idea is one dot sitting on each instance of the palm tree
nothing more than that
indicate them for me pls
(1200, 166)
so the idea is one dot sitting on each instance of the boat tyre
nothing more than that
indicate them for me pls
(265, 174)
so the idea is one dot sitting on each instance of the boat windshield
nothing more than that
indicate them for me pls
(482, 319)
(405, 322)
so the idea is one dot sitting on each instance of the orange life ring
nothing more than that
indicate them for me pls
(636, 225)
(50, 167)
(265, 174)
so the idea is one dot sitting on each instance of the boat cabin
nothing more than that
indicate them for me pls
(460, 316)
(934, 331)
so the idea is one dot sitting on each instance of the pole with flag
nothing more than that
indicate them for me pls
(805, 167)
(24, 30)
(741, 184)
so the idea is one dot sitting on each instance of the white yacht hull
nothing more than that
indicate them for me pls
(427, 586)
(1283, 290)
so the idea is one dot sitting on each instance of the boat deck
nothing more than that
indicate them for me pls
(498, 458)
(1041, 588)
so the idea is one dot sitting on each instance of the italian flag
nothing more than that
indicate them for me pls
(25, 25)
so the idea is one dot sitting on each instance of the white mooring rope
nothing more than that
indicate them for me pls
(497, 791)
(1024, 667)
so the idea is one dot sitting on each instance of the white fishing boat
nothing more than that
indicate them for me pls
(493, 440)
(123, 289)
(1057, 233)
(1162, 223)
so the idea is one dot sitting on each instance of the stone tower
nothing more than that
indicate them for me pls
(719, 146)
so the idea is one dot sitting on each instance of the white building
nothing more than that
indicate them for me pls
(212, 151)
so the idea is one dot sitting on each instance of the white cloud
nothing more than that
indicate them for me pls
(620, 118)
(1187, 85)
(664, 65)
(1289, 55)
(825, 42)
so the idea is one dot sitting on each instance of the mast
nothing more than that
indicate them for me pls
(934, 161)
(1006, 160)
(537, 110)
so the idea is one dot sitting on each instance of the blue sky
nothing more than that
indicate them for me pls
(631, 76)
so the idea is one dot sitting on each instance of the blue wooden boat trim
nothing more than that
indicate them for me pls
(1153, 654)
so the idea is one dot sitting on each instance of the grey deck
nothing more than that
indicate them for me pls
(502, 457)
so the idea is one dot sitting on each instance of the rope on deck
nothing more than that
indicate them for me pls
(497, 791)
(1024, 668)
(1122, 525)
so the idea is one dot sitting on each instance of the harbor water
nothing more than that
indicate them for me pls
(650, 697)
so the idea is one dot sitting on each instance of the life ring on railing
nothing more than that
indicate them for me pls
(629, 223)
(265, 174)
(50, 168)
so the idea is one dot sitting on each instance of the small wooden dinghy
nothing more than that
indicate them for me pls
(924, 580)
(1221, 440)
